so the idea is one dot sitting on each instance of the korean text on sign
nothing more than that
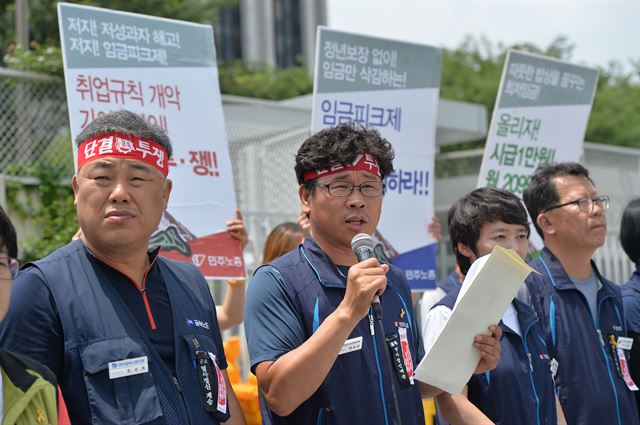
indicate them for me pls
(340, 111)
(511, 154)
(414, 182)
(518, 125)
(91, 114)
(420, 274)
(122, 92)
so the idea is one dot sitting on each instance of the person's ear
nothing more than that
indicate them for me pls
(546, 224)
(74, 184)
(305, 198)
(166, 191)
(466, 251)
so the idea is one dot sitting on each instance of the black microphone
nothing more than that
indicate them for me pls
(362, 245)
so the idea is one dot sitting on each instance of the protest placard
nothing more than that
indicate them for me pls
(165, 70)
(391, 86)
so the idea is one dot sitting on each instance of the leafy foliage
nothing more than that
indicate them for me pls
(264, 82)
(43, 16)
(472, 73)
(49, 206)
(615, 117)
(45, 59)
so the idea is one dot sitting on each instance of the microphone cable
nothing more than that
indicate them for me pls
(362, 245)
(390, 366)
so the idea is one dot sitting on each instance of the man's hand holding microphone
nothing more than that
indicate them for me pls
(366, 279)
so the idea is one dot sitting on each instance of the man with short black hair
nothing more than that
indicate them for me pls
(314, 345)
(132, 337)
(580, 311)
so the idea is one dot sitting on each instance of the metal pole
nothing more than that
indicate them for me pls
(22, 23)
(22, 91)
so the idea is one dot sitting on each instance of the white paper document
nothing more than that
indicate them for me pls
(490, 285)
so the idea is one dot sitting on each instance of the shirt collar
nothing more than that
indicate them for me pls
(324, 268)
(561, 279)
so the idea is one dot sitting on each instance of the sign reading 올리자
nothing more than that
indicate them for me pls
(391, 86)
(164, 70)
(540, 117)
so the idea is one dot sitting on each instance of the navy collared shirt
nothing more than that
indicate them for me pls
(153, 314)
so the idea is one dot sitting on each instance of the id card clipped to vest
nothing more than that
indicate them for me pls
(619, 359)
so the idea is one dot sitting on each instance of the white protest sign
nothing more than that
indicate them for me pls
(165, 70)
(540, 117)
(393, 87)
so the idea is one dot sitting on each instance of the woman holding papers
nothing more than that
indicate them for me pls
(520, 390)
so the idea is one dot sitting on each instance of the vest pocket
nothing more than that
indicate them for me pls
(131, 399)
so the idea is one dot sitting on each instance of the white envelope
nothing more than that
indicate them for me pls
(490, 285)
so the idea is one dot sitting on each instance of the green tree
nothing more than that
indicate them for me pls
(472, 73)
(615, 117)
(263, 81)
(49, 206)
(43, 16)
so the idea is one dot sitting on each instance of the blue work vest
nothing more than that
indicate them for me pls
(357, 390)
(99, 329)
(631, 301)
(520, 389)
(588, 385)
(449, 283)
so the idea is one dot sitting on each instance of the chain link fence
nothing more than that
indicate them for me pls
(263, 138)
(34, 124)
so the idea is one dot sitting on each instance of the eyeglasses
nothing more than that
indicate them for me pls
(11, 264)
(343, 189)
(585, 204)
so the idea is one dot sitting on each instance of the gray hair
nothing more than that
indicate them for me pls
(125, 122)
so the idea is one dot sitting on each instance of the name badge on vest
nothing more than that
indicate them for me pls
(406, 353)
(625, 343)
(553, 366)
(620, 360)
(222, 386)
(624, 367)
(128, 367)
(350, 345)
(395, 349)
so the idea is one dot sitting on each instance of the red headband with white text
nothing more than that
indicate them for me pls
(363, 162)
(116, 145)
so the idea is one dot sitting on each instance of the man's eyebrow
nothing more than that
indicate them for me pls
(141, 167)
(101, 164)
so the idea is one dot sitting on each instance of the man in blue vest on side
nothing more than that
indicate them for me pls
(315, 345)
(132, 337)
(580, 311)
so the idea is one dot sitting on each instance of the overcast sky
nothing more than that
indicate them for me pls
(601, 30)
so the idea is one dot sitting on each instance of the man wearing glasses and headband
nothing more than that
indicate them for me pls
(580, 311)
(132, 337)
(315, 347)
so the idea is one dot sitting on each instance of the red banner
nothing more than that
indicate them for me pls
(217, 256)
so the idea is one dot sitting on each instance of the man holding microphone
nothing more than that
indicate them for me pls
(316, 346)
